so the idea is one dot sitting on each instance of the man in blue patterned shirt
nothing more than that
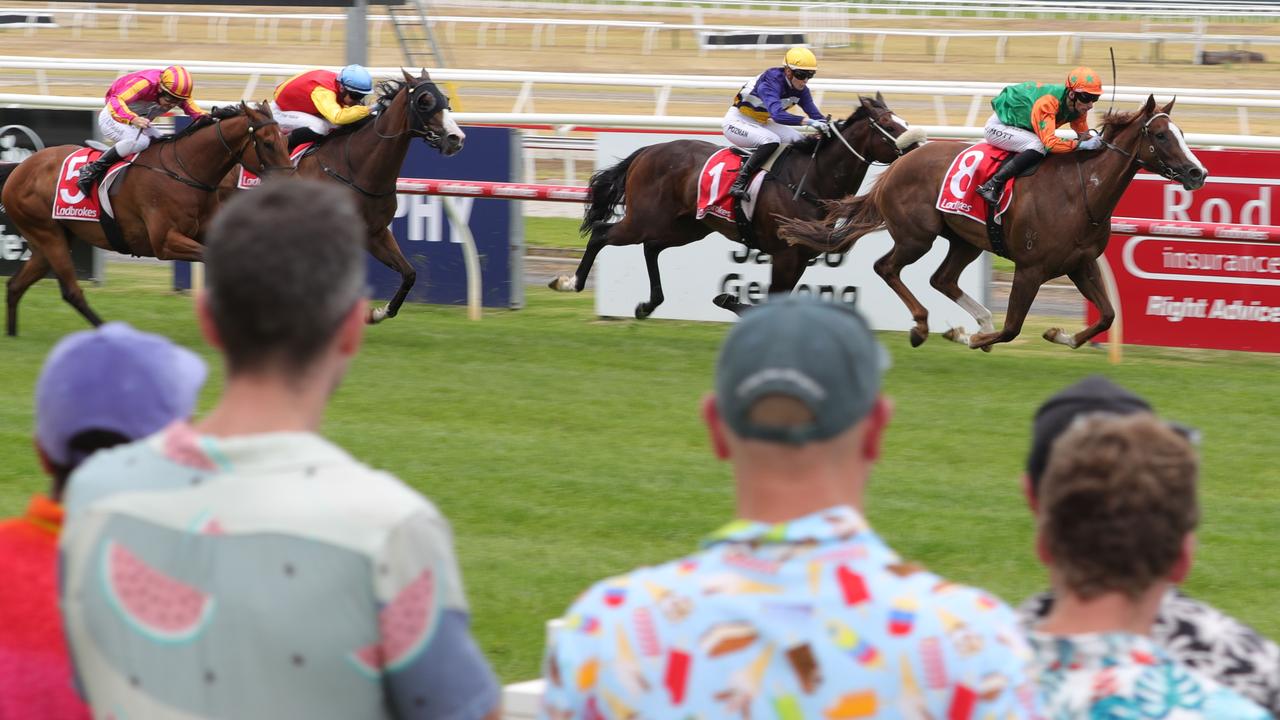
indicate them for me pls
(1117, 514)
(797, 609)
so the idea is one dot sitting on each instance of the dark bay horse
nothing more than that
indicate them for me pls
(1058, 224)
(366, 157)
(659, 186)
(161, 204)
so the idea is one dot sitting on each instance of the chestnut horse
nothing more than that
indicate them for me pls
(161, 204)
(659, 185)
(366, 156)
(1058, 223)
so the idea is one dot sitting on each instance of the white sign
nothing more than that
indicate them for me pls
(694, 274)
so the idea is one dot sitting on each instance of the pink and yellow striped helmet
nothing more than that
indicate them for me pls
(176, 81)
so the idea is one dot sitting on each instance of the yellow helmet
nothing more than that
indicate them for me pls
(801, 58)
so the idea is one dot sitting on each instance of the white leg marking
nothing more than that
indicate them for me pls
(978, 311)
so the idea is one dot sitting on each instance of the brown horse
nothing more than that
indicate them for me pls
(659, 185)
(366, 157)
(160, 212)
(1058, 224)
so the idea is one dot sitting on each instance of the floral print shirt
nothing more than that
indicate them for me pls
(1122, 676)
(1204, 639)
(813, 618)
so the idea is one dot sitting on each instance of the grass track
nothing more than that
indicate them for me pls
(566, 448)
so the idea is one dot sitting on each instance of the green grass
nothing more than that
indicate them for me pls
(565, 448)
(554, 232)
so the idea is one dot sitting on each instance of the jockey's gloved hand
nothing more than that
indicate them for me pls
(1092, 143)
(821, 126)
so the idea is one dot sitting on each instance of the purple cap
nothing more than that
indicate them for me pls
(113, 378)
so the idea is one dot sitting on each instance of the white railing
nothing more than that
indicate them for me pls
(259, 79)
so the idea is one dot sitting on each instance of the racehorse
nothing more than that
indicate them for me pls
(367, 155)
(1058, 223)
(659, 185)
(159, 212)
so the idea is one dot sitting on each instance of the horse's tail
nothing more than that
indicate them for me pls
(846, 221)
(607, 188)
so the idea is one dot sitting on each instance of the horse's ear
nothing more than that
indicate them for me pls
(1169, 108)
(244, 108)
(264, 107)
(424, 75)
(879, 97)
(1150, 106)
(407, 77)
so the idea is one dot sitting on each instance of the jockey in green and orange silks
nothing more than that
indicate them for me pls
(1026, 116)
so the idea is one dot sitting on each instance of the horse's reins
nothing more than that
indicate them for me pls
(1165, 172)
(415, 119)
(893, 141)
(191, 180)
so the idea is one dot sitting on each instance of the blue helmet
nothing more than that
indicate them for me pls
(356, 79)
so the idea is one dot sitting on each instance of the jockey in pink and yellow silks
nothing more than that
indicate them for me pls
(1026, 116)
(131, 103)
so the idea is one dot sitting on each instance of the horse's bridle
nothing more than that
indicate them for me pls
(419, 119)
(1164, 171)
(251, 136)
(888, 137)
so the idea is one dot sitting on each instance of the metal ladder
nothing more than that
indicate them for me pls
(413, 32)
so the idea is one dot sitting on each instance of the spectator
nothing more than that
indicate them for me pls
(1194, 633)
(98, 388)
(1118, 511)
(796, 609)
(244, 566)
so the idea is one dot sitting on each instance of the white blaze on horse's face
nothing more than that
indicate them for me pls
(453, 135)
(1182, 145)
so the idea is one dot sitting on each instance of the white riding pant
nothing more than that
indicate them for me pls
(747, 133)
(1008, 137)
(127, 138)
(291, 120)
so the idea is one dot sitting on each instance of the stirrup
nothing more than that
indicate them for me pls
(990, 194)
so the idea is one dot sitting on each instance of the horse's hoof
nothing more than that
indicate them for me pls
(377, 315)
(725, 300)
(917, 337)
(1052, 334)
(954, 334)
(563, 283)
(641, 311)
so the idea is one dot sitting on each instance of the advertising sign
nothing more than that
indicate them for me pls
(1207, 287)
(425, 234)
(22, 133)
(694, 274)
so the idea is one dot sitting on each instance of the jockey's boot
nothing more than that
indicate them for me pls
(302, 135)
(762, 152)
(992, 188)
(90, 172)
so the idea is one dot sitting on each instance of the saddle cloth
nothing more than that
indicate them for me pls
(71, 204)
(717, 174)
(249, 180)
(972, 167)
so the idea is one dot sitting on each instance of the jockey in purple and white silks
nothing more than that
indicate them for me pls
(759, 117)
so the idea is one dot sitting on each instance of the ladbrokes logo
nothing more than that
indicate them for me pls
(18, 142)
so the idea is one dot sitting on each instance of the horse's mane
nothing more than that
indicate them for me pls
(217, 112)
(387, 91)
(806, 145)
(1116, 120)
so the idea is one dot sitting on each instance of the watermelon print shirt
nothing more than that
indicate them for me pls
(815, 618)
(263, 576)
(1121, 676)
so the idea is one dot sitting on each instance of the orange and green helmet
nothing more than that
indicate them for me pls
(1084, 79)
(176, 81)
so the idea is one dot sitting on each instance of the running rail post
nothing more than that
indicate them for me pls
(458, 224)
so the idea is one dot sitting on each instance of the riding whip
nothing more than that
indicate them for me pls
(1113, 79)
(800, 185)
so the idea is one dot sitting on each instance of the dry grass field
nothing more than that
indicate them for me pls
(569, 49)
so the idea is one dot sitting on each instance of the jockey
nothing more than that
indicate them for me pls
(310, 105)
(131, 103)
(1026, 116)
(758, 117)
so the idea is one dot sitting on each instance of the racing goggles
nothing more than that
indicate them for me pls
(1087, 97)
(803, 74)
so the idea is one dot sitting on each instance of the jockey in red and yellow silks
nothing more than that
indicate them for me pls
(1026, 116)
(315, 102)
(132, 101)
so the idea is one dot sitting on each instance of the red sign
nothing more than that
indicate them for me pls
(1185, 283)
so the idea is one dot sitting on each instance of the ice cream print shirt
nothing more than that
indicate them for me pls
(814, 618)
